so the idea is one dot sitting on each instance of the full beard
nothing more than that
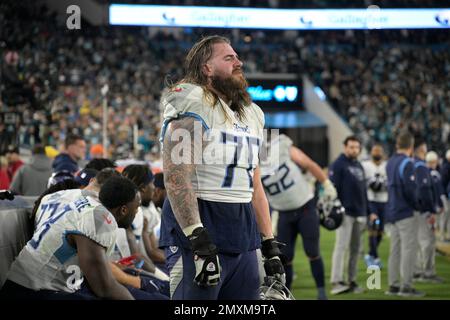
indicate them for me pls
(235, 91)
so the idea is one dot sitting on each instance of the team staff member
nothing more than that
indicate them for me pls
(347, 174)
(426, 205)
(402, 218)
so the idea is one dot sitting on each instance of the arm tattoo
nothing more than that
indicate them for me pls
(177, 177)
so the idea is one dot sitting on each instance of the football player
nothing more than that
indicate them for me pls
(289, 192)
(375, 171)
(217, 209)
(75, 231)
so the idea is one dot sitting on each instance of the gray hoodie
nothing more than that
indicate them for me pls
(31, 179)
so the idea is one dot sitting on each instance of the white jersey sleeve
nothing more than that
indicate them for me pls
(122, 248)
(153, 217)
(138, 224)
(99, 226)
(185, 100)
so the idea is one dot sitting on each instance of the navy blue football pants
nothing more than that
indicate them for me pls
(239, 277)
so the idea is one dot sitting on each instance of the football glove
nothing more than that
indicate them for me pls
(273, 264)
(329, 191)
(206, 261)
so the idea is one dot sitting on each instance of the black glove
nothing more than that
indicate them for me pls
(273, 263)
(207, 266)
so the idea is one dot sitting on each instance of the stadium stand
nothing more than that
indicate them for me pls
(62, 72)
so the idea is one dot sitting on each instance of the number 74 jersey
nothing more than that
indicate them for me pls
(230, 146)
(285, 185)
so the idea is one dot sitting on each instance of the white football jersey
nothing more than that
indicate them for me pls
(287, 188)
(371, 170)
(48, 260)
(225, 168)
(153, 218)
(138, 224)
(122, 247)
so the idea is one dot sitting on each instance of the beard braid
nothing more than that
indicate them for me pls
(235, 90)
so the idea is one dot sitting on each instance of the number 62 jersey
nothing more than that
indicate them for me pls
(284, 183)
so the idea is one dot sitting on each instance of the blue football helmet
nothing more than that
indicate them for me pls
(331, 213)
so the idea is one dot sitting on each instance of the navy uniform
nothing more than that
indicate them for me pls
(402, 218)
(348, 177)
(426, 205)
(444, 221)
(223, 184)
(438, 190)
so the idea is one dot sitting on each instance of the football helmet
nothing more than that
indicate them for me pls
(273, 289)
(331, 213)
(59, 176)
(378, 183)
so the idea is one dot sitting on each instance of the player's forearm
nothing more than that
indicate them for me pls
(317, 172)
(177, 174)
(157, 255)
(97, 270)
(181, 194)
(131, 239)
(124, 278)
(261, 207)
(151, 247)
(148, 264)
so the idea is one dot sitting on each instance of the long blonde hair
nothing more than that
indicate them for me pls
(197, 57)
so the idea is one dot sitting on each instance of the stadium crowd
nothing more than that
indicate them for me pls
(52, 78)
